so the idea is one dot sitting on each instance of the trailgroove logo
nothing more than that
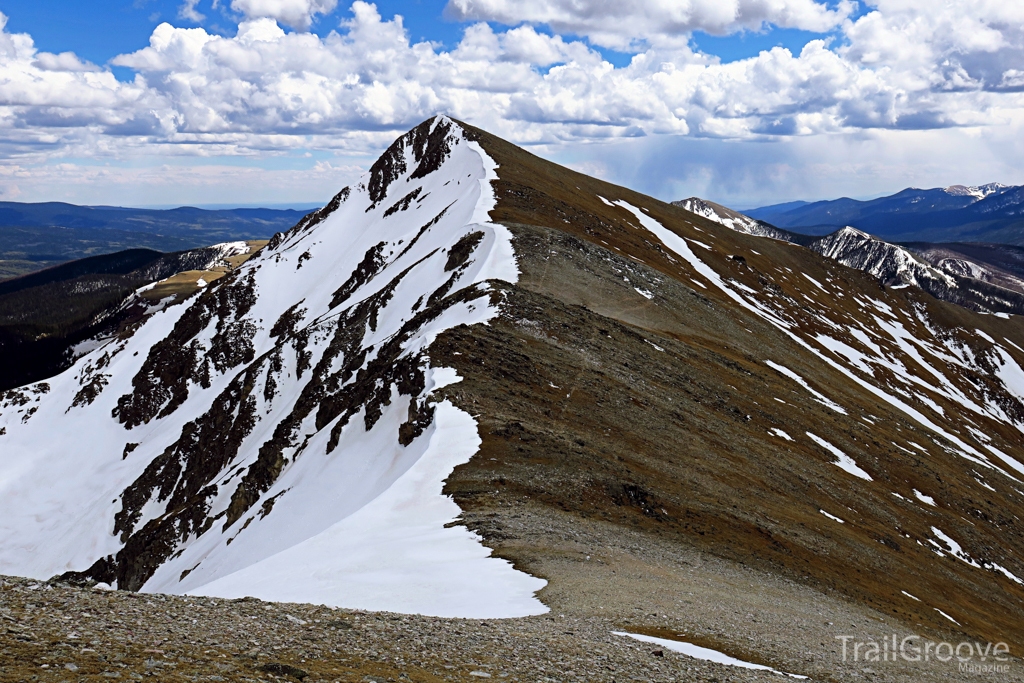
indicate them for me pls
(972, 657)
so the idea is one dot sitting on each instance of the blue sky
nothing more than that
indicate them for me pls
(148, 102)
(100, 31)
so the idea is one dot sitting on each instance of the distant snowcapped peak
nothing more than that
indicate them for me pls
(850, 231)
(992, 188)
(730, 219)
(978, 192)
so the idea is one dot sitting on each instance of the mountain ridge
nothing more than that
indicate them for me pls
(643, 370)
(48, 317)
(737, 221)
(177, 221)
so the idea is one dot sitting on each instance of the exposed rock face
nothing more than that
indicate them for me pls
(955, 280)
(605, 358)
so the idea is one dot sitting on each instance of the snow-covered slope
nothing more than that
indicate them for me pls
(997, 264)
(275, 435)
(732, 219)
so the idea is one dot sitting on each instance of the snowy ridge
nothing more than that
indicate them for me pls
(731, 219)
(891, 264)
(964, 268)
(957, 280)
(979, 192)
(237, 440)
(228, 249)
(962, 265)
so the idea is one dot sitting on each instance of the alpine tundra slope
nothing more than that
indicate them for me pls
(677, 426)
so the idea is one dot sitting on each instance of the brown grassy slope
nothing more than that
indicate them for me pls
(580, 412)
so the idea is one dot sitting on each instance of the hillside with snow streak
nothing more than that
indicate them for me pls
(276, 435)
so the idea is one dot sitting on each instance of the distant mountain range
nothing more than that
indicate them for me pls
(988, 278)
(183, 222)
(992, 213)
(35, 236)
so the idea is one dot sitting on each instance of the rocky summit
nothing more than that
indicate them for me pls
(482, 416)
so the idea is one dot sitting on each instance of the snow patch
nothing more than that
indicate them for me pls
(819, 397)
(845, 462)
(819, 285)
(644, 293)
(706, 654)
(928, 500)
(832, 517)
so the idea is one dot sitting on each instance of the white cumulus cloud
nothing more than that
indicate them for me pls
(298, 14)
(905, 65)
(620, 25)
(268, 88)
(961, 45)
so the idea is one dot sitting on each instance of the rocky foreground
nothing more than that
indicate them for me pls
(628, 581)
(64, 633)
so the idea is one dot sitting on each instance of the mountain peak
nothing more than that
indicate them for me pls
(312, 347)
(958, 213)
(978, 192)
(890, 263)
(731, 219)
(849, 231)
